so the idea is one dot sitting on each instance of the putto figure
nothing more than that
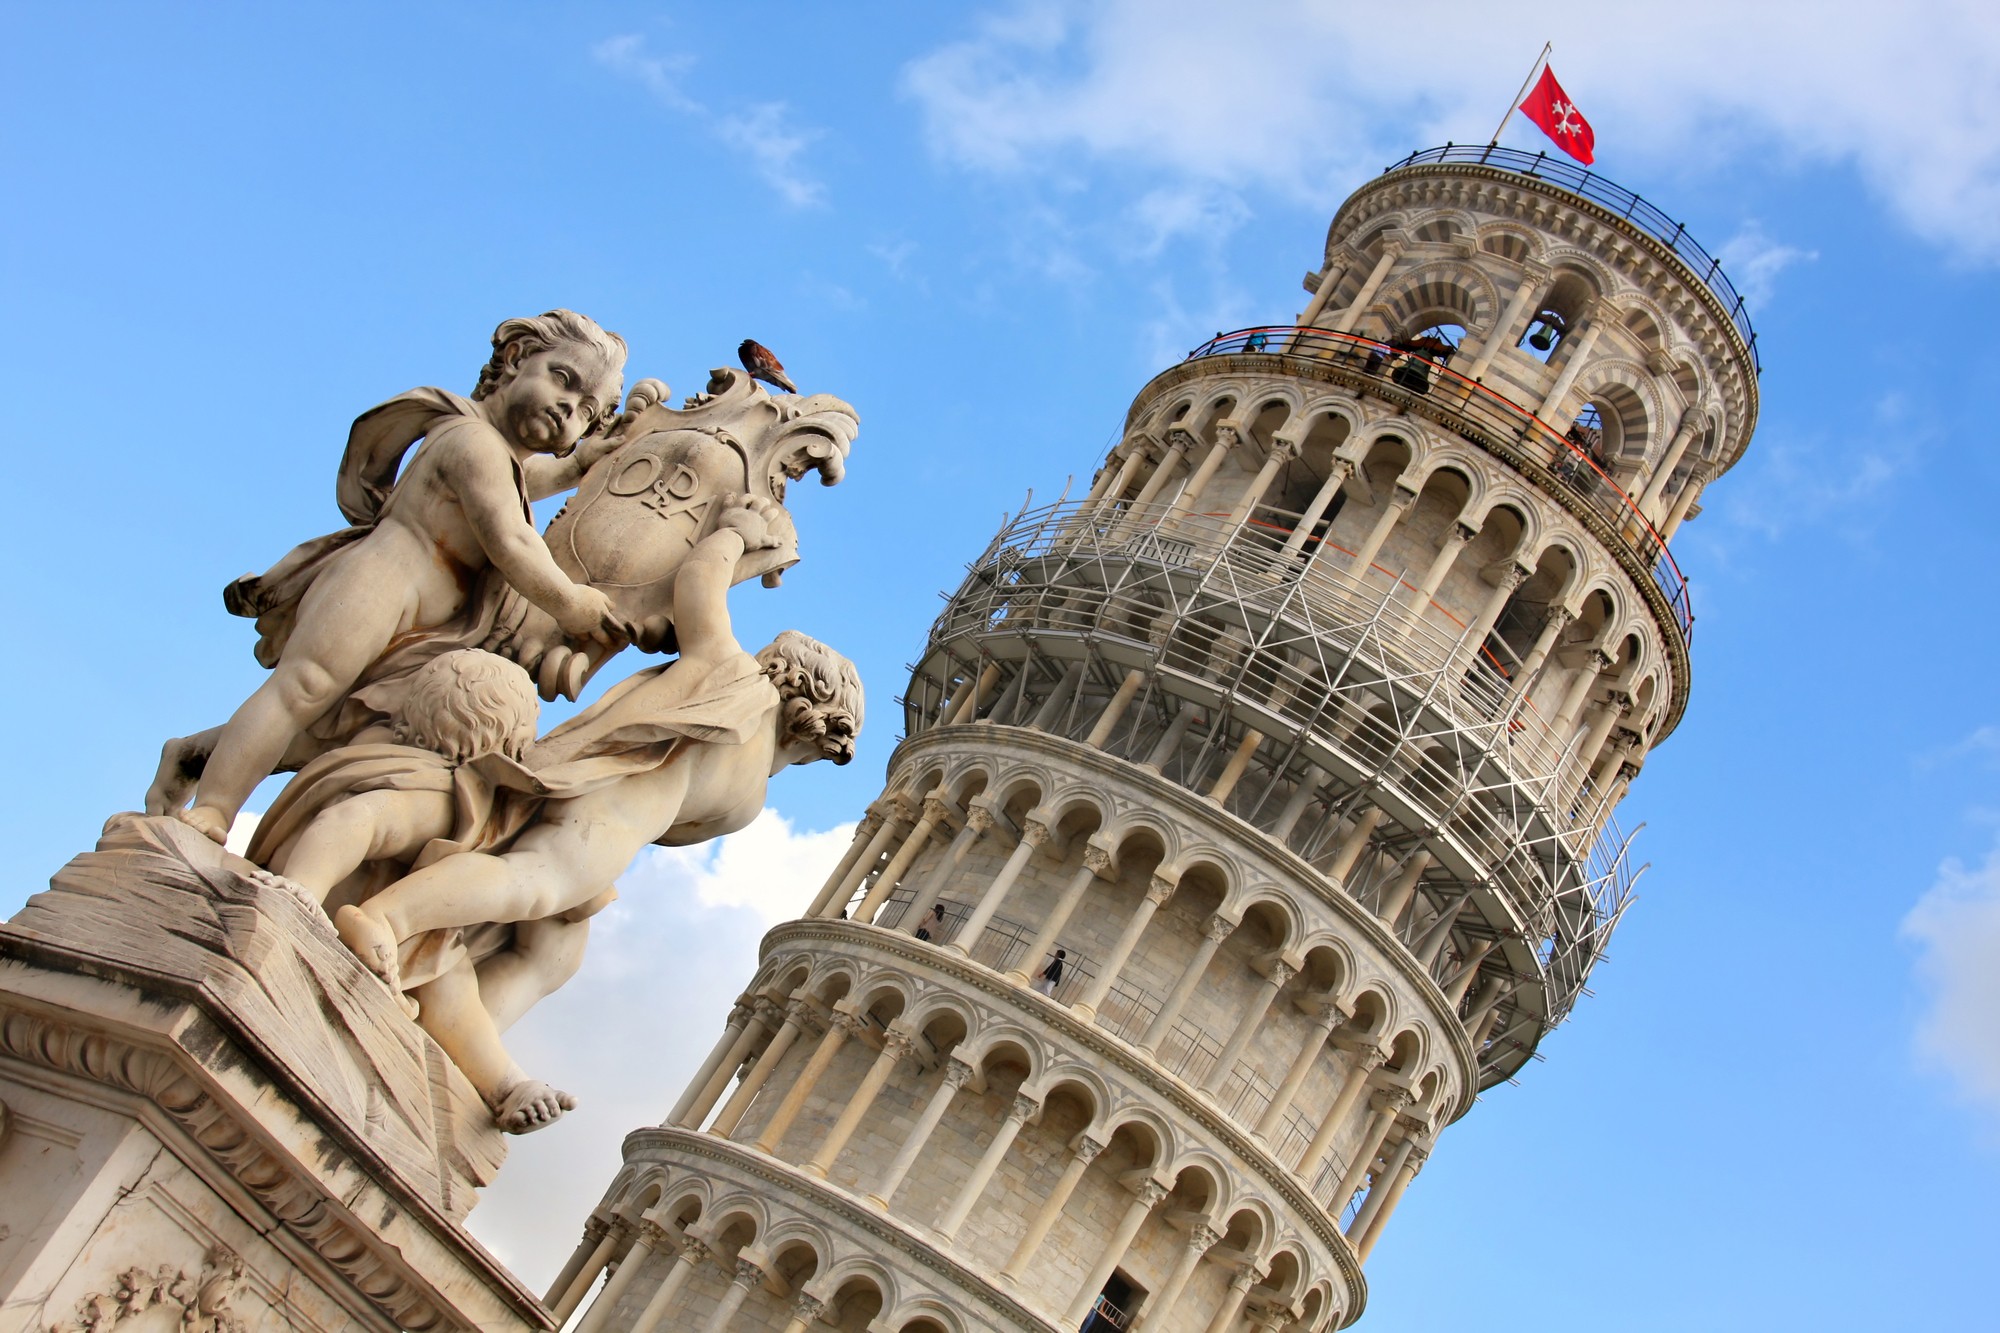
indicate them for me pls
(333, 607)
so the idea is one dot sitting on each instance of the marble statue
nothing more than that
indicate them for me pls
(461, 857)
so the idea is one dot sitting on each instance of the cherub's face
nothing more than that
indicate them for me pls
(555, 396)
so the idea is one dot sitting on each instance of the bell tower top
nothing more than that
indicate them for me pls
(1570, 295)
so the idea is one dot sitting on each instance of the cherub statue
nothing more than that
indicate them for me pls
(359, 816)
(334, 606)
(675, 755)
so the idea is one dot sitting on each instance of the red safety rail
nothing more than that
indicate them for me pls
(1480, 406)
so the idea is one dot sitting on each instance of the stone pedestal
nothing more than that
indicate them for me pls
(213, 1119)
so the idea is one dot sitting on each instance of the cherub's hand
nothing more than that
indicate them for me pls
(588, 614)
(763, 524)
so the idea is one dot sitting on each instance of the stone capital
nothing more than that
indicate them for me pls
(1150, 1193)
(1035, 831)
(979, 819)
(1394, 1100)
(1284, 450)
(1160, 888)
(958, 1073)
(871, 824)
(595, 1228)
(1401, 496)
(1461, 531)
(1084, 1148)
(1218, 928)
(1229, 434)
(1181, 438)
(1023, 1108)
(1280, 973)
(694, 1250)
(1097, 860)
(897, 1043)
(654, 1236)
(850, 1023)
(748, 1273)
(807, 1308)
(902, 808)
(938, 810)
(1202, 1237)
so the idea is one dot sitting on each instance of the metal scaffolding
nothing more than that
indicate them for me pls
(1355, 690)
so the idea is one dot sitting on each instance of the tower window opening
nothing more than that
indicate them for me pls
(1114, 1307)
(1545, 333)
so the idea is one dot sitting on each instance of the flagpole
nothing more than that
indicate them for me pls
(1514, 105)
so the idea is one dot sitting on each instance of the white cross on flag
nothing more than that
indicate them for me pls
(1549, 107)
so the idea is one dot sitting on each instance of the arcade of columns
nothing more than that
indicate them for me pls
(1300, 736)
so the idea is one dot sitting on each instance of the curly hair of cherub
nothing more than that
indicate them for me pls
(468, 703)
(539, 334)
(821, 692)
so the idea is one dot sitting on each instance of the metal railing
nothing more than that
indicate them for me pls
(1487, 413)
(1613, 198)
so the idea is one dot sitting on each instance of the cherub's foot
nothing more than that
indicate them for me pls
(375, 945)
(208, 821)
(529, 1104)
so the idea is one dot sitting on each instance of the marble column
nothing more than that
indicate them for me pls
(805, 1309)
(1302, 1064)
(1081, 1152)
(1107, 721)
(1369, 286)
(1253, 1013)
(694, 1253)
(833, 898)
(748, 1275)
(1473, 639)
(1364, 1218)
(1115, 483)
(1406, 1171)
(1144, 1200)
(865, 833)
(1160, 1306)
(1596, 663)
(1396, 897)
(1580, 342)
(1239, 762)
(1329, 281)
(1227, 438)
(1393, 512)
(957, 1074)
(1455, 542)
(1096, 860)
(798, 1014)
(1281, 452)
(1353, 844)
(585, 1262)
(1214, 932)
(1157, 893)
(1322, 500)
(895, 1045)
(1684, 501)
(1034, 832)
(937, 811)
(1649, 499)
(650, 1235)
(978, 821)
(738, 1035)
(1504, 334)
(1232, 1300)
(1388, 1106)
(1524, 675)
(1017, 1115)
(843, 1026)
(1179, 441)
(1361, 1064)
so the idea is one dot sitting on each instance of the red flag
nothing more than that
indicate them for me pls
(1549, 107)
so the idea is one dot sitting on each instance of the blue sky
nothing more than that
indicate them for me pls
(231, 230)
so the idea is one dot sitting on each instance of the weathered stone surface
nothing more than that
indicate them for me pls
(196, 1073)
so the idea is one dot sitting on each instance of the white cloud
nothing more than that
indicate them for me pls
(244, 829)
(665, 963)
(762, 131)
(1299, 97)
(1956, 925)
(1753, 261)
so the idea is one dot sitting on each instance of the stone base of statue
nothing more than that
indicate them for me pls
(213, 1119)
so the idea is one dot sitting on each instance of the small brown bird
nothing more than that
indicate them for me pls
(757, 359)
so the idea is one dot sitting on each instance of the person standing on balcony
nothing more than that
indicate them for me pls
(1051, 976)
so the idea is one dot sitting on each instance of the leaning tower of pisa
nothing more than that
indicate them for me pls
(1297, 740)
